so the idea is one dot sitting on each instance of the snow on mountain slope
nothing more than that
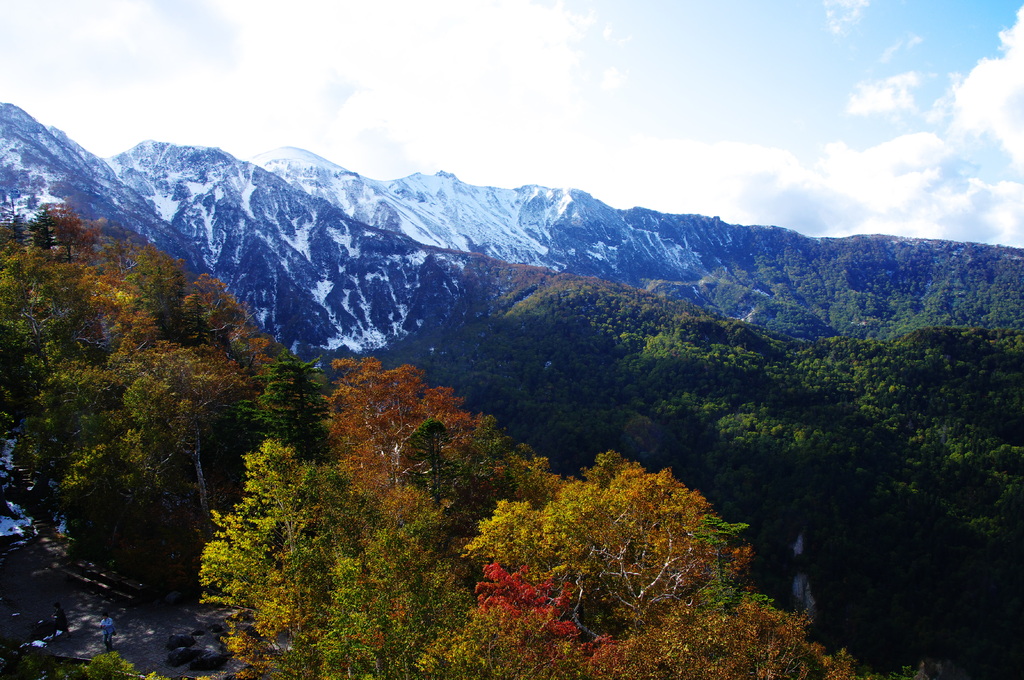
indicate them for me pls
(436, 210)
(564, 229)
(51, 157)
(42, 165)
(314, 275)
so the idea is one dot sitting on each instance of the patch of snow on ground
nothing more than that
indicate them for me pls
(300, 242)
(196, 188)
(7, 454)
(20, 525)
(564, 203)
(368, 339)
(16, 523)
(322, 290)
(343, 238)
(247, 192)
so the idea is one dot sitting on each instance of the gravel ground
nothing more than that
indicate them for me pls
(31, 581)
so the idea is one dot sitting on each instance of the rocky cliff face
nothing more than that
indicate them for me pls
(563, 229)
(42, 165)
(314, 275)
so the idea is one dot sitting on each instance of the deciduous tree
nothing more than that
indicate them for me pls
(274, 557)
(517, 631)
(375, 411)
(749, 640)
(628, 541)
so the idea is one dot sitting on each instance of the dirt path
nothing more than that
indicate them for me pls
(31, 582)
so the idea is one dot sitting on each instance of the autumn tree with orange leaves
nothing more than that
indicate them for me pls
(375, 411)
(629, 542)
(748, 639)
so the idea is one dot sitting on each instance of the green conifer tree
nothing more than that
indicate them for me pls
(42, 227)
(294, 405)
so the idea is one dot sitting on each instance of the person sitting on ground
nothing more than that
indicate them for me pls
(60, 620)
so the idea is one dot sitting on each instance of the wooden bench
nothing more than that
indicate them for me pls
(108, 583)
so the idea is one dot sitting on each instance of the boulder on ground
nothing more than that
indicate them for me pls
(208, 661)
(178, 640)
(182, 655)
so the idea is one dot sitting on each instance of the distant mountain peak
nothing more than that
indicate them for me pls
(293, 154)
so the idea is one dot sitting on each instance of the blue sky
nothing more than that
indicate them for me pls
(831, 117)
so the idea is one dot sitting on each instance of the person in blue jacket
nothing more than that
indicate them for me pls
(107, 627)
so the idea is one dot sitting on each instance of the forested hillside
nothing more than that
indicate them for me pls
(863, 286)
(370, 526)
(124, 380)
(382, 526)
(895, 469)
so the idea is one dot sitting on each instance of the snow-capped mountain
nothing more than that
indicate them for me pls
(42, 165)
(436, 210)
(803, 286)
(564, 229)
(327, 258)
(312, 273)
(313, 276)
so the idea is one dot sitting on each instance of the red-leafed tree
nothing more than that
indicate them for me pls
(75, 238)
(516, 596)
(516, 631)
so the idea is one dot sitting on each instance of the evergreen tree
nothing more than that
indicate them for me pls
(12, 225)
(43, 230)
(18, 228)
(294, 405)
(162, 287)
(427, 443)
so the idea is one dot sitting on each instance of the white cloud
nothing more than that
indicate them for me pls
(112, 73)
(498, 86)
(840, 15)
(386, 87)
(914, 185)
(990, 99)
(609, 35)
(612, 79)
(907, 44)
(888, 96)
(441, 85)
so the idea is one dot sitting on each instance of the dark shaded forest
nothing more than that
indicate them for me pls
(897, 465)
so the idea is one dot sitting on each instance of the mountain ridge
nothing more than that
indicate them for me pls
(329, 259)
(762, 274)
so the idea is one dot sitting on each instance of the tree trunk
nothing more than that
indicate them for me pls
(204, 498)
